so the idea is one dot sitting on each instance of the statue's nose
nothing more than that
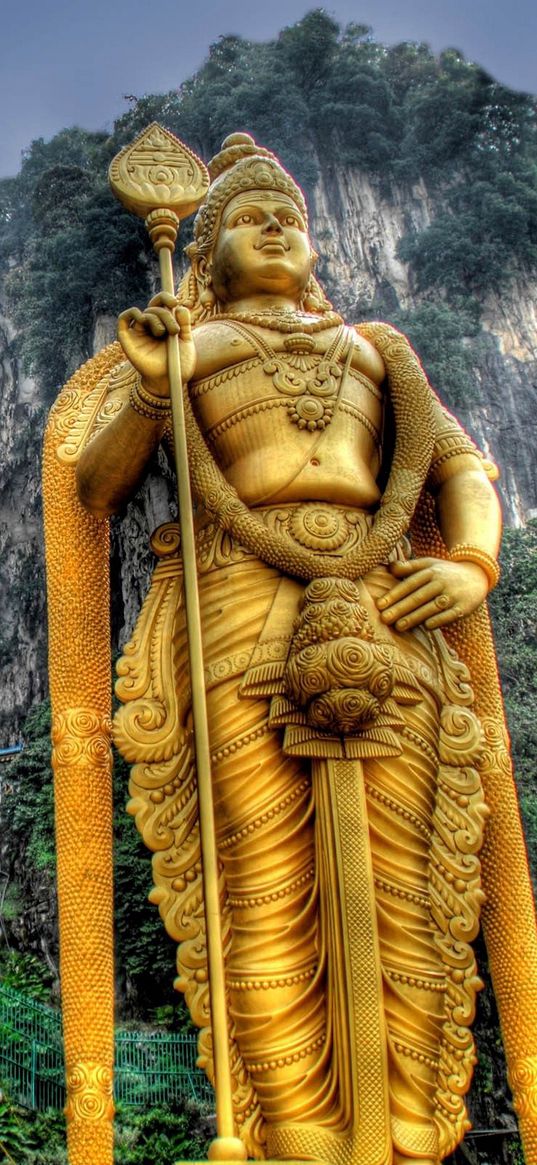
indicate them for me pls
(272, 225)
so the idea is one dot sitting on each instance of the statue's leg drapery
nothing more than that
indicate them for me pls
(289, 972)
(350, 878)
(281, 958)
(400, 795)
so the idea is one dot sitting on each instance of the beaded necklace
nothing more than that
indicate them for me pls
(280, 320)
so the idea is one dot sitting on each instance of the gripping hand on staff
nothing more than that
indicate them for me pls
(143, 335)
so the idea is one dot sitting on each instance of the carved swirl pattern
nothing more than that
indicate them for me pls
(523, 1081)
(509, 911)
(89, 1092)
(318, 527)
(456, 897)
(335, 672)
(78, 415)
(150, 729)
(81, 736)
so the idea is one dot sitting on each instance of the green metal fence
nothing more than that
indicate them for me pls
(150, 1067)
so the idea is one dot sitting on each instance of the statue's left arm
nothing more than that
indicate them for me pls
(432, 591)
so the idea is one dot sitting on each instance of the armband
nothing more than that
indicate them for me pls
(464, 552)
(148, 404)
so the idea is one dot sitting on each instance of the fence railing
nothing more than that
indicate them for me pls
(151, 1067)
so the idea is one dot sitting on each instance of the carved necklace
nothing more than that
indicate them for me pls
(312, 384)
(280, 320)
(414, 441)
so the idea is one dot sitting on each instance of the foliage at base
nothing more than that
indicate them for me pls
(160, 1137)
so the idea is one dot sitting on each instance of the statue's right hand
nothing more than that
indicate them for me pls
(143, 335)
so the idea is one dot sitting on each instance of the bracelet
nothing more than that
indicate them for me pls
(464, 552)
(147, 404)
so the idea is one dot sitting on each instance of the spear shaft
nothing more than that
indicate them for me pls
(217, 987)
(162, 180)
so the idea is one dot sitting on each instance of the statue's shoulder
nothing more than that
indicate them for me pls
(367, 355)
(218, 346)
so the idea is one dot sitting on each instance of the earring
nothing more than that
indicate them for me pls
(312, 300)
(207, 296)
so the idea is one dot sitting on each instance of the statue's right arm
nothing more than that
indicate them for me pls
(114, 464)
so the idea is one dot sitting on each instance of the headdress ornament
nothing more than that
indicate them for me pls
(240, 165)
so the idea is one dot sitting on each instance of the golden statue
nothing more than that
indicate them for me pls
(346, 535)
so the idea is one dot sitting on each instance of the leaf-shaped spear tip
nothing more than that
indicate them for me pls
(158, 178)
(156, 171)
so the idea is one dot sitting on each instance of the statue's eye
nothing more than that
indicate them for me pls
(244, 219)
(292, 220)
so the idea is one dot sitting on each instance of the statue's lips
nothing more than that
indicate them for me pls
(276, 244)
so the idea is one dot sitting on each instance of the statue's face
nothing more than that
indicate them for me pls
(262, 248)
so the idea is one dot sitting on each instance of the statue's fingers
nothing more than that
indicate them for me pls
(160, 320)
(127, 324)
(443, 618)
(128, 319)
(182, 316)
(410, 566)
(163, 299)
(424, 613)
(416, 599)
(402, 589)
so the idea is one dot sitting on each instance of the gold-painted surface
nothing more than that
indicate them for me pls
(89, 1088)
(350, 979)
(508, 919)
(173, 182)
(454, 917)
(158, 171)
(79, 664)
(290, 981)
(523, 1083)
(412, 405)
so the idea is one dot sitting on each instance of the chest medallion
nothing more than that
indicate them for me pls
(311, 381)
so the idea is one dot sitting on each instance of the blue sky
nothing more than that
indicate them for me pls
(70, 62)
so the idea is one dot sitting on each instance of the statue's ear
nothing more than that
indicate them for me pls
(197, 262)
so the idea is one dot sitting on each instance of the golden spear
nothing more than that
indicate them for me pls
(160, 179)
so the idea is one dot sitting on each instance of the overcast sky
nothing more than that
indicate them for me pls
(70, 62)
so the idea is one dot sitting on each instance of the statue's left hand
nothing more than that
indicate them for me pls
(432, 592)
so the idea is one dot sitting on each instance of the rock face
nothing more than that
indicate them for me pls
(356, 227)
(22, 608)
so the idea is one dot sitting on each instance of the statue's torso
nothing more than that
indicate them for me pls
(304, 425)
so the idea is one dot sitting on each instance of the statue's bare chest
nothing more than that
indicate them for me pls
(279, 410)
(299, 380)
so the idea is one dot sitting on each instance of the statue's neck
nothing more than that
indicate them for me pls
(262, 303)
